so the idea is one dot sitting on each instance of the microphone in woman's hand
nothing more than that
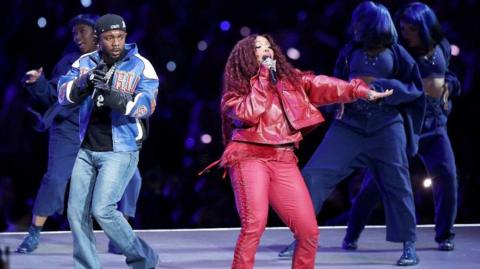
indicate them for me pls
(271, 64)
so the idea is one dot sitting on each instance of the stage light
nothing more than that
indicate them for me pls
(42, 22)
(225, 25)
(427, 183)
(455, 50)
(245, 31)
(202, 45)
(206, 139)
(171, 66)
(293, 53)
(86, 3)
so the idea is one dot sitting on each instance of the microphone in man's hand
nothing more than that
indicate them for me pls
(272, 68)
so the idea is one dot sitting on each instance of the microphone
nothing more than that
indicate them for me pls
(273, 71)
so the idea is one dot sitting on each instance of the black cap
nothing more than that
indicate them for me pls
(87, 19)
(109, 22)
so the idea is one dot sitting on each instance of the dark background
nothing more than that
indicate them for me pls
(173, 196)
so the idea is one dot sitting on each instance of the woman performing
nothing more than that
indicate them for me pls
(266, 104)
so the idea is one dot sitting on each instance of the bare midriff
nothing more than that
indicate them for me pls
(434, 86)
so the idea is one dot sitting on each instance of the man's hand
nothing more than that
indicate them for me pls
(114, 99)
(87, 81)
(95, 76)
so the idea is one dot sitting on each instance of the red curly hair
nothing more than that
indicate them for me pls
(242, 64)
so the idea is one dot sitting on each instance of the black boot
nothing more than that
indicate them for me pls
(409, 256)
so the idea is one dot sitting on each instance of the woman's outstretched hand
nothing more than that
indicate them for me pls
(373, 95)
(33, 75)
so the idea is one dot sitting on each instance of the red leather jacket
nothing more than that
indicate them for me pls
(276, 115)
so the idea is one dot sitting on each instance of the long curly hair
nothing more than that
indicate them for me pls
(242, 65)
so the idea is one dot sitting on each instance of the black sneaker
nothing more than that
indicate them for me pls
(446, 245)
(30, 242)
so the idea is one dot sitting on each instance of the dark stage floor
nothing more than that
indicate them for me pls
(213, 248)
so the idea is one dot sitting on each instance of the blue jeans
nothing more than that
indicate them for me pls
(98, 182)
(128, 203)
(62, 152)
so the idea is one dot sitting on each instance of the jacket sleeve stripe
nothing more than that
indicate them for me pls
(140, 130)
(68, 90)
(131, 104)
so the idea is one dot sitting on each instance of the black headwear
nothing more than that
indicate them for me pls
(109, 22)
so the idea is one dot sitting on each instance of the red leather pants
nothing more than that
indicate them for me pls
(275, 181)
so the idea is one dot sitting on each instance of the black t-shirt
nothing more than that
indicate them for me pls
(98, 136)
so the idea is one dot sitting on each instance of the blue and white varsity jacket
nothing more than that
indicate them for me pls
(133, 75)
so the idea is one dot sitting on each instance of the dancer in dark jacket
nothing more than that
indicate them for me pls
(423, 38)
(376, 135)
